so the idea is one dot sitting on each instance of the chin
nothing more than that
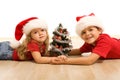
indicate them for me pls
(42, 40)
(90, 42)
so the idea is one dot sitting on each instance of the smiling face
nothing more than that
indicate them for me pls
(39, 34)
(91, 34)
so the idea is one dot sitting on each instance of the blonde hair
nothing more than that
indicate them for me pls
(22, 49)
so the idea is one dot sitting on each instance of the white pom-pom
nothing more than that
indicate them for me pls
(14, 43)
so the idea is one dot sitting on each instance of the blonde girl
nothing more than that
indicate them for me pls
(34, 46)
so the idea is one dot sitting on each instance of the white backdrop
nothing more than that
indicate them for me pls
(58, 11)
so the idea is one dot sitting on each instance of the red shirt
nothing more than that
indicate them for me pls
(105, 46)
(32, 46)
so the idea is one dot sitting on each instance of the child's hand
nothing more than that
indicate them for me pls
(62, 57)
(59, 60)
(54, 60)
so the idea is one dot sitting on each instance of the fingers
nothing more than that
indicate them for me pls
(62, 57)
(59, 60)
(55, 61)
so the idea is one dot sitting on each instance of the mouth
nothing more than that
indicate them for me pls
(41, 37)
(88, 38)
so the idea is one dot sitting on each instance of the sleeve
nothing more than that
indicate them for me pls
(102, 47)
(33, 47)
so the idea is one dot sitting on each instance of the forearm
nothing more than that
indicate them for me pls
(44, 60)
(74, 52)
(81, 60)
(40, 59)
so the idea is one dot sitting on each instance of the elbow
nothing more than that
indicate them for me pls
(36, 61)
(91, 60)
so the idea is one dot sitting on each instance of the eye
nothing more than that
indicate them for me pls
(35, 32)
(90, 29)
(42, 29)
(83, 32)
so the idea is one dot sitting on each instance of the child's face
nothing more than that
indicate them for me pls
(39, 35)
(90, 34)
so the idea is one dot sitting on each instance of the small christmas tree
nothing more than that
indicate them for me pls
(61, 44)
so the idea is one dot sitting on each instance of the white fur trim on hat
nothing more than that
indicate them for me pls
(87, 21)
(36, 23)
(14, 44)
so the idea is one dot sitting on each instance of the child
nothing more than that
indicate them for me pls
(101, 45)
(35, 45)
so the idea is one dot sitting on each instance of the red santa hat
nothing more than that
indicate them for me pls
(25, 26)
(87, 20)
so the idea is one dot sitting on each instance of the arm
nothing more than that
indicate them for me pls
(39, 59)
(80, 60)
(75, 52)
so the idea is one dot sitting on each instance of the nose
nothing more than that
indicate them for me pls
(87, 32)
(40, 32)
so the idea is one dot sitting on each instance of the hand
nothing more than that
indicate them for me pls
(62, 57)
(59, 60)
(54, 60)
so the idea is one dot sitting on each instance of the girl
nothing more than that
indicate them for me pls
(35, 45)
(101, 45)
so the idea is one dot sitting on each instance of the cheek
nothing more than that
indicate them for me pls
(33, 36)
(82, 36)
